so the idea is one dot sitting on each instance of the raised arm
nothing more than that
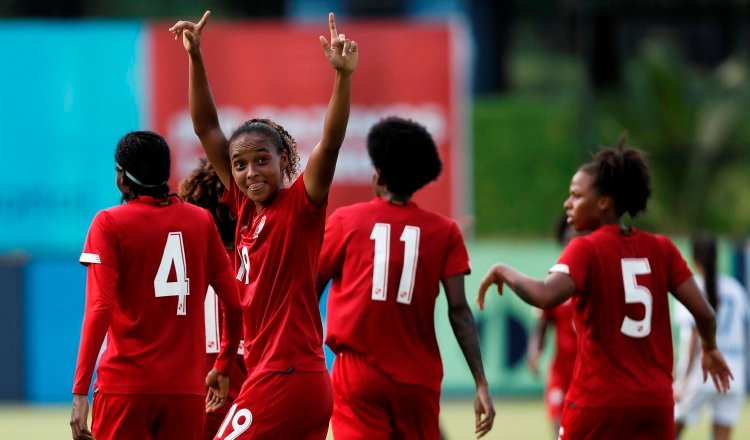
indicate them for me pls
(545, 294)
(465, 330)
(202, 107)
(343, 55)
(712, 362)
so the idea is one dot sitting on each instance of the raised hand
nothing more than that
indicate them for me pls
(190, 33)
(343, 54)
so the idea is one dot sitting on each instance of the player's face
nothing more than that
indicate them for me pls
(583, 205)
(257, 167)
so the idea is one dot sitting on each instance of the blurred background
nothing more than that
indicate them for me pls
(516, 92)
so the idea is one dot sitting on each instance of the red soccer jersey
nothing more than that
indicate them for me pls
(621, 315)
(386, 262)
(277, 255)
(565, 338)
(149, 266)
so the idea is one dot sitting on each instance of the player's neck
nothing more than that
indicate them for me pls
(393, 199)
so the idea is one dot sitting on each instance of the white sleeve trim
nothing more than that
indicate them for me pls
(88, 258)
(561, 268)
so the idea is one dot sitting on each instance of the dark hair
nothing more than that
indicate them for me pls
(622, 173)
(704, 254)
(204, 188)
(404, 153)
(143, 158)
(279, 137)
(561, 230)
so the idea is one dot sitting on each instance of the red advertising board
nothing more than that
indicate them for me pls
(278, 70)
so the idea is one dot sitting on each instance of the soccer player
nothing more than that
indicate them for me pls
(387, 258)
(150, 262)
(203, 188)
(619, 278)
(280, 232)
(561, 318)
(729, 300)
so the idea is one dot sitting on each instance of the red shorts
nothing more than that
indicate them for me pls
(367, 404)
(612, 423)
(293, 405)
(554, 394)
(157, 417)
(237, 376)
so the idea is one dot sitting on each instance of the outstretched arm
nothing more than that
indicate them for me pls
(545, 294)
(465, 330)
(712, 362)
(343, 55)
(202, 107)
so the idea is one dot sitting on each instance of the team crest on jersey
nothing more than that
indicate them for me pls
(261, 223)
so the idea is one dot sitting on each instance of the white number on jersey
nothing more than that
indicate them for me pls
(243, 273)
(213, 333)
(381, 234)
(174, 255)
(636, 294)
(237, 428)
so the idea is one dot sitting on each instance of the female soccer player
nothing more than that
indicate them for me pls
(150, 262)
(204, 188)
(619, 278)
(280, 232)
(729, 300)
(387, 258)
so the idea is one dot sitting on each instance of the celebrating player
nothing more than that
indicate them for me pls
(150, 262)
(387, 258)
(619, 278)
(280, 232)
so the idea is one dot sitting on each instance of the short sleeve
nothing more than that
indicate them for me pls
(332, 253)
(575, 261)
(456, 257)
(101, 243)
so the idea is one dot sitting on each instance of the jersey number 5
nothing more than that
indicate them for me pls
(173, 256)
(381, 234)
(636, 294)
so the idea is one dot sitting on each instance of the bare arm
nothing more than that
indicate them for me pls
(712, 362)
(202, 106)
(343, 55)
(465, 330)
(545, 294)
(536, 344)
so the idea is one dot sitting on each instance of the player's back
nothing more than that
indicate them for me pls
(387, 261)
(166, 255)
(622, 316)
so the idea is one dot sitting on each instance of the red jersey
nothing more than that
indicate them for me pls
(277, 255)
(149, 267)
(386, 262)
(565, 337)
(621, 315)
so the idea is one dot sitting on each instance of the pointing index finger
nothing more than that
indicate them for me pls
(332, 26)
(203, 21)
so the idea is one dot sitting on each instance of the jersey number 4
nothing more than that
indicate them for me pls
(381, 235)
(173, 256)
(636, 294)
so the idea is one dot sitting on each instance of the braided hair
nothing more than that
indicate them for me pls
(404, 153)
(204, 188)
(622, 173)
(704, 254)
(279, 137)
(143, 158)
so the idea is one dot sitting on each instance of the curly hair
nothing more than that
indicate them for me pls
(404, 153)
(144, 159)
(278, 136)
(202, 187)
(623, 174)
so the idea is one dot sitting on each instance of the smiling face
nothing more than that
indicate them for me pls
(585, 208)
(257, 167)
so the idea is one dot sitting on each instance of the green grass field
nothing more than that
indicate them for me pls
(516, 420)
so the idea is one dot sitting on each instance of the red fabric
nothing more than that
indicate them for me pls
(561, 370)
(369, 405)
(282, 321)
(395, 337)
(613, 368)
(295, 405)
(115, 417)
(237, 376)
(650, 422)
(125, 247)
